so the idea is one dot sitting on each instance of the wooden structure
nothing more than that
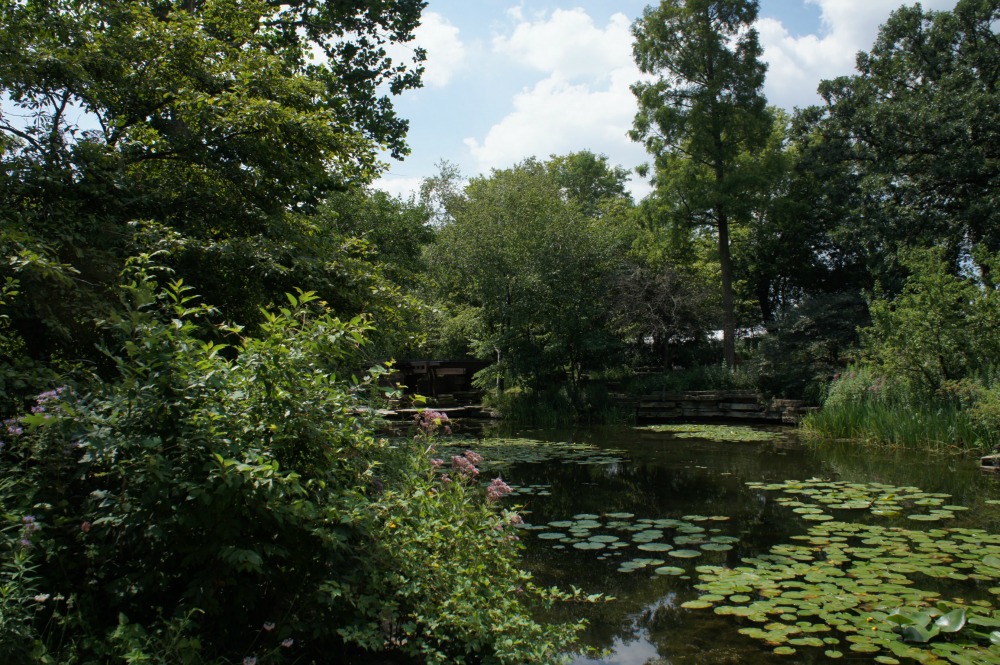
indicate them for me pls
(717, 405)
(437, 378)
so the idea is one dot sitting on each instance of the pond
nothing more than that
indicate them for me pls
(744, 545)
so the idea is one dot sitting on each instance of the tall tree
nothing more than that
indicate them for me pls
(209, 127)
(703, 109)
(920, 124)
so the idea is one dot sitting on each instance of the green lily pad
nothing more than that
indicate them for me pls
(669, 570)
(684, 554)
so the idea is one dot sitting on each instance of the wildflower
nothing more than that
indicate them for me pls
(38, 408)
(463, 466)
(269, 626)
(85, 527)
(515, 520)
(437, 463)
(475, 458)
(41, 598)
(25, 543)
(497, 490)
(13, 428)
(250, 660)
(429, 421)
(287, 642)
(445, 479)
(28, 519)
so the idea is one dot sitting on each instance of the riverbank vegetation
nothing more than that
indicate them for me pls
(202, 295)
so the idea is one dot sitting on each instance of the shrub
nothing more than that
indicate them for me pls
(223, 503)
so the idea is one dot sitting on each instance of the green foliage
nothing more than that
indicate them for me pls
(521, 257)
(699, 377)
(207, 128)
(589, 180)
(919, 127)
(939, 329)
(810, 343)
(862, 405)
(702, 111)
(554, 406)
(221, 501)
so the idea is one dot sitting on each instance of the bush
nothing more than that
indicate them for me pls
(224, 503)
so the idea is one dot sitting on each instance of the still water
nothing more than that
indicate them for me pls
(641, 515)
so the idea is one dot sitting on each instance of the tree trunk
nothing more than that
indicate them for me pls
(728, 312)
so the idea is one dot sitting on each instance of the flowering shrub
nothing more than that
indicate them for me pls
(230, 504)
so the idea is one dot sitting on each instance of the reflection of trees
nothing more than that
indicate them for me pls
(958, 476)
(700, 638)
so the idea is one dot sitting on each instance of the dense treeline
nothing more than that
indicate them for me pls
(200, 288)
(809, 240)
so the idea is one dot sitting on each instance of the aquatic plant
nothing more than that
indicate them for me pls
(733, 433)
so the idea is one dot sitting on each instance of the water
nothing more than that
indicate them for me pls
(691, 480)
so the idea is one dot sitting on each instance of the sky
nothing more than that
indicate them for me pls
(508, 80)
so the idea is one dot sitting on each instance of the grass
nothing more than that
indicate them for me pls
(938, 427)
(862, 406)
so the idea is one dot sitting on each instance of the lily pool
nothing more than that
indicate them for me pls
(743, 545)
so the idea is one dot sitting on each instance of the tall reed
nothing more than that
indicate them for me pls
(863, 406)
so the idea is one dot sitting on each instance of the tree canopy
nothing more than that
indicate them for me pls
(703, 109)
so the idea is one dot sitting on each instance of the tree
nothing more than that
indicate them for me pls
(206, 127)
(920, 123)
(940, 329)
(535, 270)
(589, 180)
(703, 109)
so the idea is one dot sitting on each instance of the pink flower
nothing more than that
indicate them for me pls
(287, 642)
(85, 527)
(497, 490)
(268, 626)
(475, 458)
(462, 466)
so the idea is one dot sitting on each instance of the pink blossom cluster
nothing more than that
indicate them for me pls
(497, 490)
(429, 421)
(463, 465)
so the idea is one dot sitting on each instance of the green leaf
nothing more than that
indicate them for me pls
(952, 622)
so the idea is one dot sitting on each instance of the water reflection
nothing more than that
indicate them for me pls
(668, 477)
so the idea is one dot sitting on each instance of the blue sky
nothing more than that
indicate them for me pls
(508, 80)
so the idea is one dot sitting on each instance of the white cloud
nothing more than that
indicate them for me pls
(568, 45)
(445, 50)
(400, 186)
(796, 65)
(583, 102)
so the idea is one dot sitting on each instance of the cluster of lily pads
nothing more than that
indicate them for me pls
(503, 453)
(815, 498)
(863, 589)
(619, 534)
(730, 433)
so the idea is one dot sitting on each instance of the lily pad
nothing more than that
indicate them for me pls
(669, 570)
